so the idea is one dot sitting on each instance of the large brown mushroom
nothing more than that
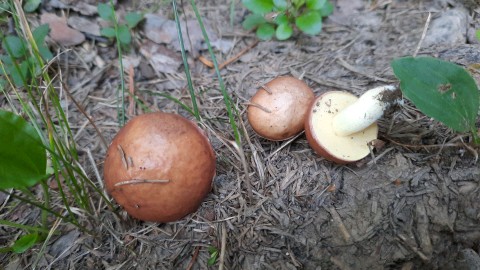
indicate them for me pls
(279, 108)
(159, 167)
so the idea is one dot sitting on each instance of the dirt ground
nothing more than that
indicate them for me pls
(413, 204)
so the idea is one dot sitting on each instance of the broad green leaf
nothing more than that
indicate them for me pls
(20, 75)
(133, 18)
(124, 34)
(327, 9)
(25, 242)
(259, 6)
(440, 89)
(45, 52)
(31, 5)
(281, 19)
(265, 31)
(310, 22)
(3, 7)
(15, 46)
(40, 33)
(298, 3)
(105, 11)
(252, 21)
(315, 4)
(213, 251)
(280, 4)
(108, 32)
(284, 31)
(23, 159)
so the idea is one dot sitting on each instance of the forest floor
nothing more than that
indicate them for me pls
(411, 205)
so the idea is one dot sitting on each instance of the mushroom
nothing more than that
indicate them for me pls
(278, 109)
(340, 126)
(159, 167)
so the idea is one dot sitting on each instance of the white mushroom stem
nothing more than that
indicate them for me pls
(364, 112)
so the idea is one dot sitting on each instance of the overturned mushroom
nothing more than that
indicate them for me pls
(340, 126)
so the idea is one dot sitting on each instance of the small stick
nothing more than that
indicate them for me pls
(206, 62)
(194, 258)
(403, 240)
(258, 106)
(223, 247)
(424, 33)
(338, 220)
(236, 57)
(210, 64)
(266, 88)
(122, 155)
(285, 144)
(140, 181)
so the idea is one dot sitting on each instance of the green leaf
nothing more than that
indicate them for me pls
(284, 31)
(298, 3)
(25, 242)
(310, 22)
(327, 9)
(23, 159)
(265, 31)
(280, 4)
(108, 32)
(124, 34)
(440, 89)
(31, 5)
(15, 46)
(45, 52)
(281, 19)
(477, 33)
(106, 12)
(213, 251)
(40, 33)
(259, 6)
(315, 4)
(133, 18)
(20, 75)
(252, 21)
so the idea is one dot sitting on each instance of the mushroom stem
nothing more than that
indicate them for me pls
(365, 111)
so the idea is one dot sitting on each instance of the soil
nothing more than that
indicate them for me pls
(412, 204)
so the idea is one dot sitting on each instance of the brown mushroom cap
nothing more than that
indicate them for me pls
(278, 110)
(159, 146)
(322, 137)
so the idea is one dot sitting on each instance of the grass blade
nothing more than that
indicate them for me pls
(226, 97)
(196, 113)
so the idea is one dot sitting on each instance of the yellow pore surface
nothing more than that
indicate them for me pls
(348, 148)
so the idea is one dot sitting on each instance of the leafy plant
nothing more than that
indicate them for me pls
(22, 244)
(213, 251)
(31, 5)
(279, 17)
(119, 31)
(441, 90)
(19, 62)
(42, 133)
(23, 159)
